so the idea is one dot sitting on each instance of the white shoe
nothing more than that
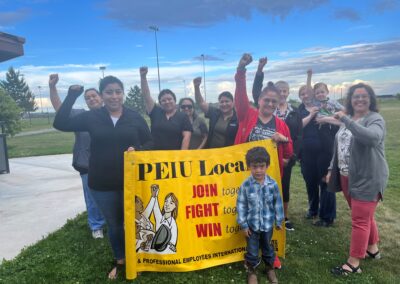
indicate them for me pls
(97, 234)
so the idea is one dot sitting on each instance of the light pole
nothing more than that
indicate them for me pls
(155, 29)
(184, 86)
(40, 97)
(204, 77)
(102, 68)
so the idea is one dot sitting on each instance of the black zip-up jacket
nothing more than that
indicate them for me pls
(108, 142)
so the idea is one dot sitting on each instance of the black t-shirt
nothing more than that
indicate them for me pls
(263, 131)
(167, 133)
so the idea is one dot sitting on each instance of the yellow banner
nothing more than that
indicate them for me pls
(180, 208)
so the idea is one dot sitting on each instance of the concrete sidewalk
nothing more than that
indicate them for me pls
(36, 198)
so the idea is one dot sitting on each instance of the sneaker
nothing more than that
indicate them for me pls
(271, 274)
(288, 225)
(277, 263)
(97, 234)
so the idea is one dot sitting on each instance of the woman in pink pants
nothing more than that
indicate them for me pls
(359, 169)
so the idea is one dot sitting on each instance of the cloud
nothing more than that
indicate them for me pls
(347, 14)
(386, 5)
(357, 28)
(344, 58)
(10, 18)
(139, 14)
(377, 63)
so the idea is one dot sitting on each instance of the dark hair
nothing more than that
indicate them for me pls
(257, 155)
(91, 89)
(226, 94)
(270, 88)
(109, 80)
(166, 92)
(372, 98)
(192, 101)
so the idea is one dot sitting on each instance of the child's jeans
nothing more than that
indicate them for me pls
(256, 241)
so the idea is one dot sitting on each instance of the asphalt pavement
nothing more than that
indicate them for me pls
(37, 197)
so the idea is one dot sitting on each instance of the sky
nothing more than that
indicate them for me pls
(343, 42)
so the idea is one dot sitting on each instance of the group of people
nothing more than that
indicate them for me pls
(339, 148)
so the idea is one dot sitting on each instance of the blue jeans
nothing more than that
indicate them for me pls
(256, 241)
(95, 218)
(111, 205)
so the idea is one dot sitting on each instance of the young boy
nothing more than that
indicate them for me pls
(259, 206)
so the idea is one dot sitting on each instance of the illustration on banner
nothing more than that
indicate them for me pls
(162, 236)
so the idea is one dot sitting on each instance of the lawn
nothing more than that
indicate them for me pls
(70, 255)
(40, 144)
(37, 123)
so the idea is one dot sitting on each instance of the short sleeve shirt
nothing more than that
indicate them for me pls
(167, 133)
(200, 130)
(263, 130)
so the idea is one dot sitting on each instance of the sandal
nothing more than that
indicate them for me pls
(376, 255)
(118, 268)
(340, 271)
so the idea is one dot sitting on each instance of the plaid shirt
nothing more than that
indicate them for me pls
(259, 205)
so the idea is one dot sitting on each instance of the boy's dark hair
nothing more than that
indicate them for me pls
(257, 155)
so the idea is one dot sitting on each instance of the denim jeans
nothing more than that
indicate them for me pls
(111, 205)
(95, 218)
(256, 241)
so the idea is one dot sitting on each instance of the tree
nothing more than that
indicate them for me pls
(9, 113)
(16, 87)
(134, 100)
(398, 96)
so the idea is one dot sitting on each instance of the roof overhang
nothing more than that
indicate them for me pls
(10, 46)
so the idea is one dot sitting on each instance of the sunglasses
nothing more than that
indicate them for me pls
(186, 106)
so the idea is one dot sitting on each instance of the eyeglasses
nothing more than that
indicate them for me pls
(360, 97)
(186, 106)
(110, 92)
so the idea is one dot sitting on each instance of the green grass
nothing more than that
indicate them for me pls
(37, 123)
(40, 144)
(70, 255)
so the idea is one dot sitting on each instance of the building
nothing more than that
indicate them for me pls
(10, 46)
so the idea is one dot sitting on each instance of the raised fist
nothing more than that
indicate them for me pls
(75, 90)
(53, 80)
(262, 62)
(245, 60)
(197, 81)
(143, 71)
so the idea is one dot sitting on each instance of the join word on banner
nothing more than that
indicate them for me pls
(180, 208)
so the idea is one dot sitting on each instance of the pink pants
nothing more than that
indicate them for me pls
(364, 231)
(344, 184)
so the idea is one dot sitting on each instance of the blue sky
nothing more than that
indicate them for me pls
(342, 41)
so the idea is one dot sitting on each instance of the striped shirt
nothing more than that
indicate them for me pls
(259, 205)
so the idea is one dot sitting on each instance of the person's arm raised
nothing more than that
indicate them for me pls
(148, 100)
(258, 79)
(197, 95)
(63, 121)
(54, 98)
(241, 99)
